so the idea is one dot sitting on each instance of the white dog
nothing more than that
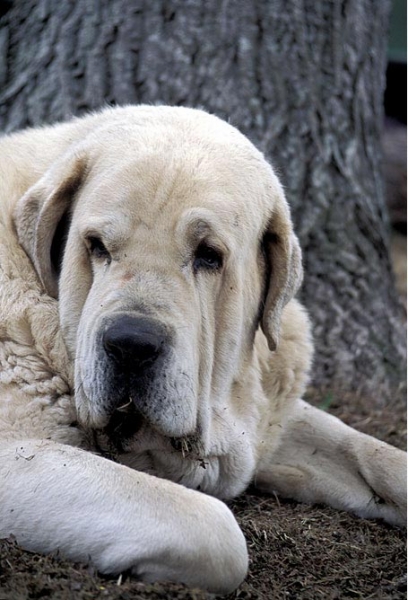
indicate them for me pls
(150, 350)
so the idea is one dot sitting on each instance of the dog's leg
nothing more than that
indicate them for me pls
(322, 460)
(58, 498)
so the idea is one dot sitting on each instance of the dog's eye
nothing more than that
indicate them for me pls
(207, 258)
(97, 248)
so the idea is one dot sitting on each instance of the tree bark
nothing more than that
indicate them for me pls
(303, 79)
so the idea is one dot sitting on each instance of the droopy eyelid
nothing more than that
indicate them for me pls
(200, 229)
(104, 234)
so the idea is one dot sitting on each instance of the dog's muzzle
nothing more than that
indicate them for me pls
(134, 344)
(135, 350)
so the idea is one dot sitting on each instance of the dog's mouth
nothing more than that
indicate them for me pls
(124, 424)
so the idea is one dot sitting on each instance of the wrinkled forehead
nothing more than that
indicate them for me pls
(172, 175)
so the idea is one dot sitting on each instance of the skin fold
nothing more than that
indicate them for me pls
(152, 354)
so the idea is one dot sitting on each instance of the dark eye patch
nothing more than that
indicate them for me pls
(97, 248)
(207, 258)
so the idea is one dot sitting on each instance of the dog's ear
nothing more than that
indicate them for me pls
(42, 218)
(284, 269)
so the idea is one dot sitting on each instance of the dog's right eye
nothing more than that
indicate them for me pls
(208, 258)
(97, 248)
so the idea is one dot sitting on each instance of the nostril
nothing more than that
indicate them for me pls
(131, 345)
(135, 341)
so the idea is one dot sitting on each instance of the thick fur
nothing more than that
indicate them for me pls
(110, 219)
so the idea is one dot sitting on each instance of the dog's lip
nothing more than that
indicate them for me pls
(124, 423)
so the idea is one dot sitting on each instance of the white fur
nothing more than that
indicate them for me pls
(153, 182)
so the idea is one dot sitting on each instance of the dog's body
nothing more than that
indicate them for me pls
(166, 238)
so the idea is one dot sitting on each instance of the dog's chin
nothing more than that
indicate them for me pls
(127, 428)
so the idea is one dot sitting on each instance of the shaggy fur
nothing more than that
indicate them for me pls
(147, 273)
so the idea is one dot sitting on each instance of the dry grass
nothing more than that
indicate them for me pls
(296, 551)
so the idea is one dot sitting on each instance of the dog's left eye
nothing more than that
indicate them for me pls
(208, 258)
(97, 248)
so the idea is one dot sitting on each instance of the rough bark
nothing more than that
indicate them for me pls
(303, 79)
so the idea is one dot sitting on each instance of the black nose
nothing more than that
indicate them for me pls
(134, 342)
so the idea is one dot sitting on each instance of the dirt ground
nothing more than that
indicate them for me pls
(296, 551)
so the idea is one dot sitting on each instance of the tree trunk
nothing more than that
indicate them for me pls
(302, 78)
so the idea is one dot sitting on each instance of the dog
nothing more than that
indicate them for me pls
(152, 355)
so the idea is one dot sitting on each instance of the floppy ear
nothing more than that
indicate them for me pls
(284, 269)
(42, 218)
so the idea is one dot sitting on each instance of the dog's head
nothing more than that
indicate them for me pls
(167, 239)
